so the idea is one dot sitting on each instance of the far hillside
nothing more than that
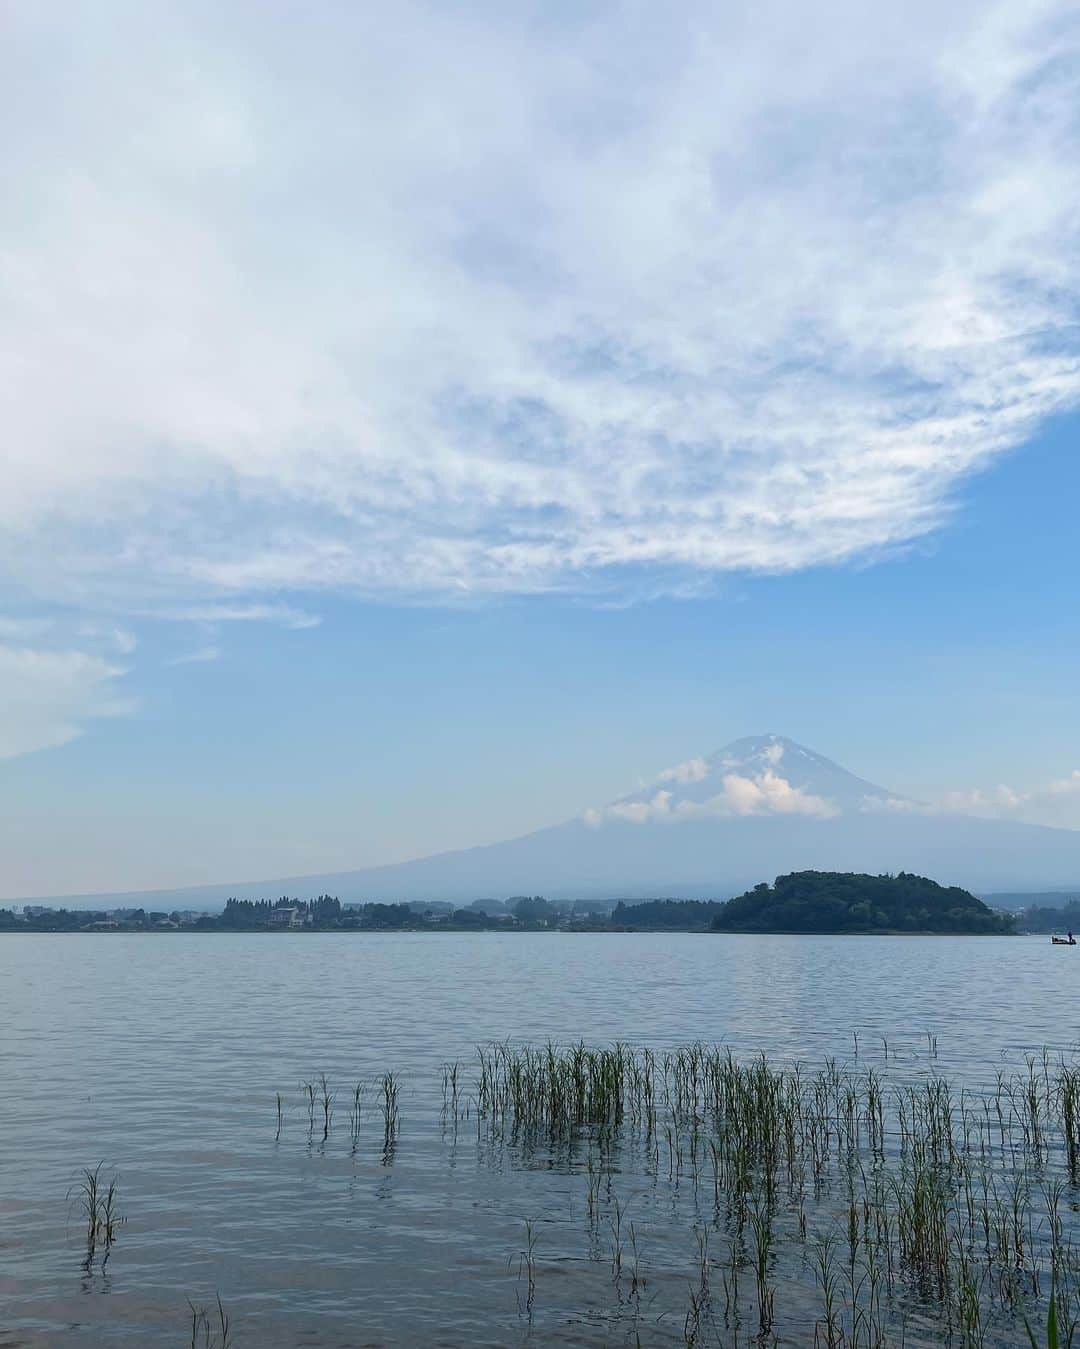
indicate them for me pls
(835, 901)
(1016, 901)
(1049, 918)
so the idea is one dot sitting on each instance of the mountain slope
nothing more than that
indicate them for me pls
(711, 827)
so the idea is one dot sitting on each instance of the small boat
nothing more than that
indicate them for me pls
(1063, 941)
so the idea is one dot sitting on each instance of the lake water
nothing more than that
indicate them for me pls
(161, 1056)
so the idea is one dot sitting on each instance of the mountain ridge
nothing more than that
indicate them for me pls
(708, 828)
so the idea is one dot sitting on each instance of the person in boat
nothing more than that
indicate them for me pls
(1072, 939)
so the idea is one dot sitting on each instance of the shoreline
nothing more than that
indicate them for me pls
(23, 930)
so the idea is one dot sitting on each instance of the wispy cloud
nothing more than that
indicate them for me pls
(635, 304)
(47, 697)
(1056, 802)
(202, 655)
(108, 635)
(896, 805)
(283, 614)
(23, 629)
(693, 770)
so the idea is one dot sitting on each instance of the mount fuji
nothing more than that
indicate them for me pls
(709, 828)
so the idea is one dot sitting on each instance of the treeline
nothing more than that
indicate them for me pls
(327, 913)
(802, 902)
(78, 920)
(1041, 918)
(673, 914)
(247, 914)
(324, 914)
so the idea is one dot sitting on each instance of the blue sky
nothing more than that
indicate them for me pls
(424, 431)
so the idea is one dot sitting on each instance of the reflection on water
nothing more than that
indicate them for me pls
(162, 1055)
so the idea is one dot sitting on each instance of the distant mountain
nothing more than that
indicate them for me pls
(707, 828)
(1016, 902)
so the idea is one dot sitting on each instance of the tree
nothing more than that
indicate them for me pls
(679, 914)
(531, 909)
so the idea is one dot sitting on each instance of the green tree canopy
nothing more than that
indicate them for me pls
(841, 901)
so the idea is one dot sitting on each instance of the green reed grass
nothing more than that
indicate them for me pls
(896, 1188)
(939, 1181)
(97, 1203)
(527, 1265)
(390, 1088)
(326, 1103)
(210, 1328)
(355, 1109)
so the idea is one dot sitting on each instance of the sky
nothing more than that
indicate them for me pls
(421, 426)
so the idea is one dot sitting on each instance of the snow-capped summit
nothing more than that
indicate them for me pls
(756, 775)
(803, 768)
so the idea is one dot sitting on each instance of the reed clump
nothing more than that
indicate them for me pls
(389, 1090)
(876, 1188)
(319, 1100)
(97, 1204)
(938, 1183)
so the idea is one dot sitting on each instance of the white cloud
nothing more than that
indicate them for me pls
(894, 805)
(638, 812)
(762, 794)
(976, 801)
(693, 770)
(450, 302)
(48, 696)
(23, 629)
(1056, 802)
(770, 794)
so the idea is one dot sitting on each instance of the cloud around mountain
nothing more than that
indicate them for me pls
(771, 775)
(747, 785)
(748, 778)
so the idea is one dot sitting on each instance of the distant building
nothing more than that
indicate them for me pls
(592, 906)
(286, 917)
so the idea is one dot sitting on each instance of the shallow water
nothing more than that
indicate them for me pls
(161, 1056)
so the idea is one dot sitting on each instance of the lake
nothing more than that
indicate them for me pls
(161, 1056)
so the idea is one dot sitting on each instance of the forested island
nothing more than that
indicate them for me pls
(826, 902)
(836, 901)
(802, 902)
